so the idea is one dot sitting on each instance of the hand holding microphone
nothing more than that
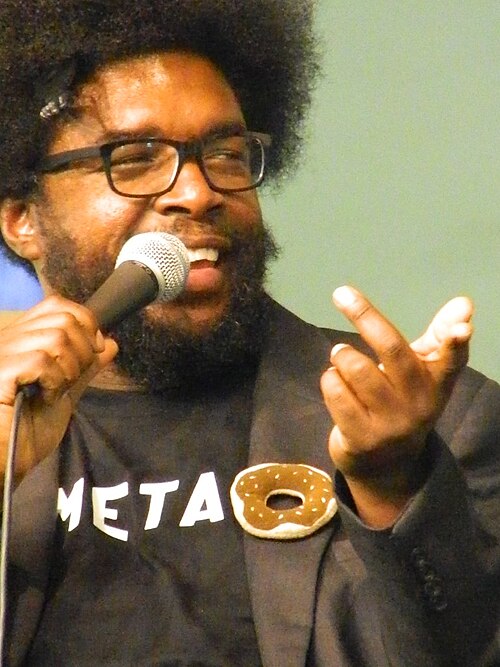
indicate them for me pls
(56, 348)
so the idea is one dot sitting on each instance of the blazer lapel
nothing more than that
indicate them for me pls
(290, 424)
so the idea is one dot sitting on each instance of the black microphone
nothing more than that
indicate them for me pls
(150, 266)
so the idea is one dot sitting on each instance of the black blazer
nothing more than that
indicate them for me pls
(423, 593)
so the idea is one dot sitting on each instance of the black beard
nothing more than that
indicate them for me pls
(161, 357)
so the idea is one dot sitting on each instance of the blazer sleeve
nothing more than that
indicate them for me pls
(436, 573)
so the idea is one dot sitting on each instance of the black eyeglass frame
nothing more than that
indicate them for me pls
(185, 151)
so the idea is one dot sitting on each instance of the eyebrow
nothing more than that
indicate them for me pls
(223, 129)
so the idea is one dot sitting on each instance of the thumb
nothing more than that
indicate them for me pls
(450, 327)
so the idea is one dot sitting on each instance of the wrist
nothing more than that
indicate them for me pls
(380, 498)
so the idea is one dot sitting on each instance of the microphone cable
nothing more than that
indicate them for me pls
(6, 517)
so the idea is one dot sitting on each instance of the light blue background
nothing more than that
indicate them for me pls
(19, 290)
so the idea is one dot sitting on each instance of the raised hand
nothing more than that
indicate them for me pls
(56, 345)
(384, 407)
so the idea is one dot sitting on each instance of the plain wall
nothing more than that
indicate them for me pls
(398, 188)
(398, 191)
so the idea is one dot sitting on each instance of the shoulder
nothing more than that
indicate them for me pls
(290, 326)
(473, 408)
(470, 428)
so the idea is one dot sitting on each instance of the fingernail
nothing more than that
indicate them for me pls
(344, 296)
(462, 330)
(336, 348)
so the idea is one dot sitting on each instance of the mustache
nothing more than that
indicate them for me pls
(77, 278)
(186, 228)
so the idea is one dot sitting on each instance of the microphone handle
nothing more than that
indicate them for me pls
(131, 286)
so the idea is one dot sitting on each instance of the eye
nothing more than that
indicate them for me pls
(227, 153)
(135, 154)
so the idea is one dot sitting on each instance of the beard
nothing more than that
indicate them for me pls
(160, 355)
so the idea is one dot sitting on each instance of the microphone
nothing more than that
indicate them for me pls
(150, 266)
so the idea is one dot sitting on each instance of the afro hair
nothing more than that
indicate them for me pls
(265, 48)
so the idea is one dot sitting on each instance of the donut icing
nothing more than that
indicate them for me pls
(253, 487)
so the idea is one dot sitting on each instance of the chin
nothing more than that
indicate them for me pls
(188, 315)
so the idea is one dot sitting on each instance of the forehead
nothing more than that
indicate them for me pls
(177, 95)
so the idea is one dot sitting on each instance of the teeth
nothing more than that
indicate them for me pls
(196, 255)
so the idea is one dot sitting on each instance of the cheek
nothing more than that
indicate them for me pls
(112, 214)
(94, 216)
(245, 212)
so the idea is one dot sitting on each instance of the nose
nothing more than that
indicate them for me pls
(190, 195)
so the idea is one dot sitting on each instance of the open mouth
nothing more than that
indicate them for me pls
(206, 274)
(202, 257)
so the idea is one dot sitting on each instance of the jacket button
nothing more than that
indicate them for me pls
(433, 587)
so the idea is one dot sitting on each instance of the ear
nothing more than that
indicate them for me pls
(19, 228)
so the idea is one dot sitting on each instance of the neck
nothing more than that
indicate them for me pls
(114, 379)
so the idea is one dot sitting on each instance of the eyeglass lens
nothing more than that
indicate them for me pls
(150, 166)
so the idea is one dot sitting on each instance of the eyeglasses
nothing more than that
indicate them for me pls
(150, 167)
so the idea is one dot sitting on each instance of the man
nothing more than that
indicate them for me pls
(159, 117)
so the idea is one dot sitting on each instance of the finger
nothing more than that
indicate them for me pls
(30, 368)
(8, 317)
(55, 334)
(52, 377)
(363, 377)
(72, 348)
(453, 320)
(452, 356)
(457, 339)
(345, 408)
(59, 347)
(55, 311)
(391, 348)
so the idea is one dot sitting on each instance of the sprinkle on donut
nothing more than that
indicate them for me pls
(253, 487)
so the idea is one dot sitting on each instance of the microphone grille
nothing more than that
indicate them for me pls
(165, 255)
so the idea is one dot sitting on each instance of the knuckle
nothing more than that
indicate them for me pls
(360, 309)
(53, 300)
(360, 369)
(67, 320)
(60, 341)
(392, 347)
(42, 358)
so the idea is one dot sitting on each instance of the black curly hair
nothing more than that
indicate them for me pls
(266, 49)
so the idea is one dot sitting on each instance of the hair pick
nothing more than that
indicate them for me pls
(54, 88)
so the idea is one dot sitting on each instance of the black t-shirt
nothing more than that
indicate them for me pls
(149, 566)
